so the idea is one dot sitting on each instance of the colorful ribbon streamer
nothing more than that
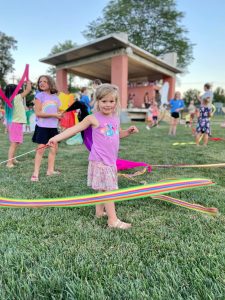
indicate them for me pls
(207, 210)
(24, 77)
(153, 189)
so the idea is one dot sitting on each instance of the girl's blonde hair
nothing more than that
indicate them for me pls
(51, 83)
(104, 90)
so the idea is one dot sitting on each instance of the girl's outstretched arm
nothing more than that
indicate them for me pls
(128, 131)
(88, 121)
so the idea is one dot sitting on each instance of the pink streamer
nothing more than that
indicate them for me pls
(24, 77)
(123, 164)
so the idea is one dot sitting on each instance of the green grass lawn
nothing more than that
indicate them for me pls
(65, 253)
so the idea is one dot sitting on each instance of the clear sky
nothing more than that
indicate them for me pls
(39, 25)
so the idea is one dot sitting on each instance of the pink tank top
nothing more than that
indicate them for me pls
(106, 139)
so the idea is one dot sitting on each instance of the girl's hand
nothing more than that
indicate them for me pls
(132, 129)
(29, 85)
(58, 115)
(52, 142)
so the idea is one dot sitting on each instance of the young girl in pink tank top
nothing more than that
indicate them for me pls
(106, 132)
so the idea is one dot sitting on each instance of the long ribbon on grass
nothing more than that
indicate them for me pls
(208, 210)
(133, 176)
(25, 77)
(136, 192)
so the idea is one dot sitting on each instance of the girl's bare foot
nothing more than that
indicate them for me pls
(119, 224)
(100, 215)
(10, 166)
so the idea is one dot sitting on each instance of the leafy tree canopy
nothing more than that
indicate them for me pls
(191, 94)
(154, 25)
(7, 43)
(219, 95)
(60, 47)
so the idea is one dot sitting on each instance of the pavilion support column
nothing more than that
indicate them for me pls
(172, 83)
(61, 80)
(119, 76)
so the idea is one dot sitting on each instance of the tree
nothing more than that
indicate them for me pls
(191, 94)
(68, 44)
(7, 43)
(153, 25)
(219, 95)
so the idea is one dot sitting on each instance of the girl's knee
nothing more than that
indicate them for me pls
(40, 150)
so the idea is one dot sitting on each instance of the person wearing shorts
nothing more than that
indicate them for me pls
(176, 105)
(15, 117)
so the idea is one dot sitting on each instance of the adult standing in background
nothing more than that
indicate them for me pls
(147, 100)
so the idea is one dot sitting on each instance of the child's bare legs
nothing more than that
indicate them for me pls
(149, 124)
(113, 220)
(38, 158)
(197, 138)
(99, 210)
(51, 160)
(205, 139)
(173, 126)
(11, 154)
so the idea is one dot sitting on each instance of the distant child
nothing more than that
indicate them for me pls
(176, 106)
(155, 113)
(29, 113)
(146, 100)
(2, 114)
(191, 111)
(149, 118)
(96, 83)
(15, 118)
(106, 132)
(207, 94)
(187, 120)
(85, 99)
(203, 126)
(46, 107)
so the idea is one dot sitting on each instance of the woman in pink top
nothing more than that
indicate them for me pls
(106, 132)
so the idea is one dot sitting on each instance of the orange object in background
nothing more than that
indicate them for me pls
(69, 119)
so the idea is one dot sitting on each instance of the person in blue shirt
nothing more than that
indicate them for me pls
(176, 105)
(85, 99)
